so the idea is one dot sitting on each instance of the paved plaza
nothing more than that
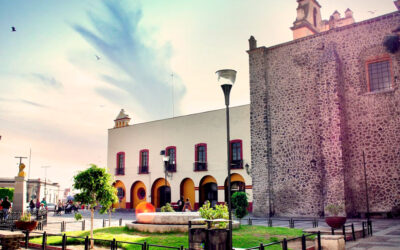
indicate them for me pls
(386, 232)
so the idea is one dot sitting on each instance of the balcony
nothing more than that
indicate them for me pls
(200, 166)
(237, 164)
(143, 169)
(120, 171)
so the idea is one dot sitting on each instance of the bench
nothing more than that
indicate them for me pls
(11, 240)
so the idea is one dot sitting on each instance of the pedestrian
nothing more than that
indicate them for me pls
(44, 203)
(32, 206)
(6, 207)
(181, 203)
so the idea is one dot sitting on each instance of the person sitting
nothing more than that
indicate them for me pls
(187, 207)
(59, 207)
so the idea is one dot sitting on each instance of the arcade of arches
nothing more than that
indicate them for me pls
(160, 192)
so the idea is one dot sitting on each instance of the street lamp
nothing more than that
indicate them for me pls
(226, 78)
(45, 181)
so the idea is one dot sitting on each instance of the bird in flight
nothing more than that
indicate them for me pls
(13, 29)
(97, 57)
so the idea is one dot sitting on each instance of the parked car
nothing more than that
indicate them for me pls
(51, 207)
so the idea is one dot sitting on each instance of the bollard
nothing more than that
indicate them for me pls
(120, 221)
(303, 242)
(363, 229)
(44, 241)
(26, 239)
(250, 222)
(369, 227)
(104, 223)
(352, 231)
(284, 244)
(344, 232)
(64, 242)
(270, 222)
(83, 225)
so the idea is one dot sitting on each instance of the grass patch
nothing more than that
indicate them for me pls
(244, 237)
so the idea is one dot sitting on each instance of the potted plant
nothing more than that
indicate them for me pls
(215, 234)
(26, 223)
(334, 220)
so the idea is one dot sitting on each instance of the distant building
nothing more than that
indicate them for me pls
(36, 189)
(197, 167)
(318, 103)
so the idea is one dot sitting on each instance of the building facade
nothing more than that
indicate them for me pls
(318, 103)
(197, 166)
(36, 189)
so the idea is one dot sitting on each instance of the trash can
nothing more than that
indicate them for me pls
(203, 235)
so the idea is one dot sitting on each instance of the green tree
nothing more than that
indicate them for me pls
(239, 201)
(95, 186)
(7, 192)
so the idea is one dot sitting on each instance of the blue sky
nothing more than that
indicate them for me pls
(59, 100)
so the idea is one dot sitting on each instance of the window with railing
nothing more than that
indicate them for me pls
(144, 161)
(120, 169)
(171, 152)
(236, 154)
(200, 159)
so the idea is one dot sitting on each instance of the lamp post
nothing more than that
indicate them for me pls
(227, 77)
(45, 181)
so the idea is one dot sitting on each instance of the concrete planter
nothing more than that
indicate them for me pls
(26, 225)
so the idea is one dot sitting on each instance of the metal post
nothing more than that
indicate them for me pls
(352, 231)
(363, 229)
(369, 227)
(44, 240)
(284, 244)
(181, 248)
(270, 222)
(227, 89)
(344, 232)
(261, 246)
(113, 244)
(26, 239)
(144, 246)
(303, 242)
(83, 225)
(319, 240)
(104, 223)
(250, 221)
(87, 243)
(333, 231)
(120, 221)
(64, 242)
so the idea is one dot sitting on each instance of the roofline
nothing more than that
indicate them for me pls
(349, 26)
(242, 105)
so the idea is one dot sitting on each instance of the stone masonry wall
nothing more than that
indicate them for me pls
(310, 101)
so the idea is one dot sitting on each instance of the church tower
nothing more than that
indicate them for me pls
(122, 120)
(308, 21)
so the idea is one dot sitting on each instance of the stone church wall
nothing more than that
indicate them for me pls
(310, 101)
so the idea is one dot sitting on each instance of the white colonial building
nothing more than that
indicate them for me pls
(197, 164)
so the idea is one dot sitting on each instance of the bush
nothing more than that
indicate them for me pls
(25, 217)
(78, 216)
(7, 192)
(219, 212)
(239, 201)
(167, 208)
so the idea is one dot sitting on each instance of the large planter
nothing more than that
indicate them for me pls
(335, 221)
(26, 225)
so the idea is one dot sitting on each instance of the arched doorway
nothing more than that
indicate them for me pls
(121, 193)
(138, 193)
(160, 193)
(208, 190)
(187, 190)
(237, 185)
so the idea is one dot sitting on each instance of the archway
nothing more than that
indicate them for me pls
(208, 190)
(187, 190)
(160, 194)
(138, 193)
(121, 193)
(237, 185)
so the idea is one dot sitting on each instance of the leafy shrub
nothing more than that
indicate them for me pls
(7, 192)
(392, 43)
(239, 201)
(334, 209)
(167, 208)
(78, 216)
(218, 212)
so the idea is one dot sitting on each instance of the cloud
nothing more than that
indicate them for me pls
(23, 101)
(146, 69)
(47, 80)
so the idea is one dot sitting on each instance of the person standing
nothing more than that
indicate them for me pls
(32, 206)
(181, 203)
(6, 207)
(44, 203)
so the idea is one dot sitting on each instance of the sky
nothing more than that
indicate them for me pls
(72, 65)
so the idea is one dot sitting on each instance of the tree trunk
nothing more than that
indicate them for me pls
(91, 227)
(109, 217)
